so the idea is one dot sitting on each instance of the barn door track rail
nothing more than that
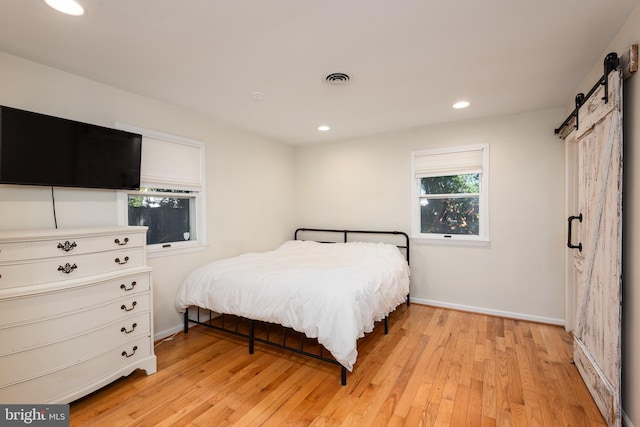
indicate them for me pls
(627, 62)
(611, 62)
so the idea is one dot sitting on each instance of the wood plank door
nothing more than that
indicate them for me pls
(597, 230)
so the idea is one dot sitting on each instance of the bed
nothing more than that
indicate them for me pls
(315, 297)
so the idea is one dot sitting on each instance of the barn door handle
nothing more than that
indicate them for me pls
(569, 244)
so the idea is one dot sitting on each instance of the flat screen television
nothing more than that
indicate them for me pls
(37, 149)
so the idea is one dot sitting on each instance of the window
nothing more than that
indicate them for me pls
(450, 193)
(171, 198)
(169, 214)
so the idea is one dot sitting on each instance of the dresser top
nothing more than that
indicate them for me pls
(59, 233)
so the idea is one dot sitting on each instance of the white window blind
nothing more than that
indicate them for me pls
(430, 163)
(170, 164)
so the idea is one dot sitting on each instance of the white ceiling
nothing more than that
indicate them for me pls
(409, 60)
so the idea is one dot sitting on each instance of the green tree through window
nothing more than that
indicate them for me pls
(450, 204)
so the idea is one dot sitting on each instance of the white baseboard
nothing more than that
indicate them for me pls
(167, 333)
(508, 314)
(491, 312)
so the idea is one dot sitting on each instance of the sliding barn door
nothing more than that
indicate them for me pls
(597, 236)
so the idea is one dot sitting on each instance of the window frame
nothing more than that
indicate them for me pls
(483, 200)
(172, 248)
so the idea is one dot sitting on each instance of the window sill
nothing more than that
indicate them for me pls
(175, 249)
(449, 241)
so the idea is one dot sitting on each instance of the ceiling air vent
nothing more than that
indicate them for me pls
(337, 79)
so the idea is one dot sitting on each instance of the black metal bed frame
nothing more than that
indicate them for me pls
(263, 332)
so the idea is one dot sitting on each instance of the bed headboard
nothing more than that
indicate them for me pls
(398, 238)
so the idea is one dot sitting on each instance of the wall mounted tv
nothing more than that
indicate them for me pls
(36, 149)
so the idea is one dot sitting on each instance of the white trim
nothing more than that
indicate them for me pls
(490, 312)
(571, 208)
(453, 240)
(167, 333)
(177, 248)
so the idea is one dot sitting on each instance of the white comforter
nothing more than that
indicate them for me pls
(332, 292)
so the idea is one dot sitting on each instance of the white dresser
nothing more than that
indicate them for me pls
(75, 311)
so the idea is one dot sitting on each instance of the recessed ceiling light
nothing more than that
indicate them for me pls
(461, 104)
(323, 128)
(70, 7)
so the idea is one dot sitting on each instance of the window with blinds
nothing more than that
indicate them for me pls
(171, 198)
(450, 194)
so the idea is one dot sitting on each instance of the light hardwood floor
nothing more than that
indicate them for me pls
(435, 367)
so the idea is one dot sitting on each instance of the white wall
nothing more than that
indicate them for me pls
(249, 179)
(365, 183)
(629, 34)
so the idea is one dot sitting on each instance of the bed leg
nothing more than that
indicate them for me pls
(186, 321)
(343, 375)
(386, 325)
(408, 300)
(251, 336)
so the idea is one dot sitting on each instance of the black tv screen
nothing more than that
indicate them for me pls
(37, 149)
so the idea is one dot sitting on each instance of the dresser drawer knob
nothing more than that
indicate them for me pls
(67, 246)
(124, 242)
(124, 353)
(68, 268)
(126, 260)
(124, 287)
(124, 307)
(133, 328)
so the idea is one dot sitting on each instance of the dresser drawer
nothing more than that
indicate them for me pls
(84, 245)
(72, 267)
(21, 366)
(83, 377)
(14, 251)
(13, 275)
(38, 334)
(30, 308)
